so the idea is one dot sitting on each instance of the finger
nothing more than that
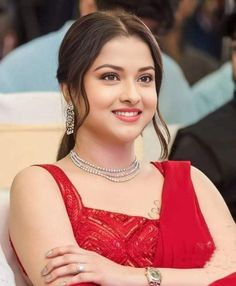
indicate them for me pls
(63, 250)
(63, 260)
(71, 269)
(81, 278)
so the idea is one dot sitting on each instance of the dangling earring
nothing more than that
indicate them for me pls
(70, 119)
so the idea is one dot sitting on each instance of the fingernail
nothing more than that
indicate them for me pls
(44, 271)
(49, 253)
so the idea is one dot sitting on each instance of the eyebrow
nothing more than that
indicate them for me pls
(121, 69)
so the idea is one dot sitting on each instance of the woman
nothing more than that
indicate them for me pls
(98, 215)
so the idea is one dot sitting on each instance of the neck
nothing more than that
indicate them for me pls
(104, 154)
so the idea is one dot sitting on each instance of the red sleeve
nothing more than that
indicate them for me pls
(229, 280)
(184, 238)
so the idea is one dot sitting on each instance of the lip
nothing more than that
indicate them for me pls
(129, 117)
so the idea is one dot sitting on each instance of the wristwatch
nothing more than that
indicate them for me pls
(153, 276)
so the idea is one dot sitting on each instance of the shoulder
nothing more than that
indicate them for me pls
(33, 49)
(217, 82)
(202, 183)
(31, 174)
(22, 77)
(33, 183)
(172, 70)
(210, 200)
(176, 95)
(170, 64)
(204, 188)
(207, 194)
(177, 165)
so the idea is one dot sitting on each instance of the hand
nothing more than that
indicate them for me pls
(86, 266)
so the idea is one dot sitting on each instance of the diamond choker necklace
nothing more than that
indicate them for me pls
(114, 175)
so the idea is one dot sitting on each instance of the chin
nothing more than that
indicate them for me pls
(128, 136)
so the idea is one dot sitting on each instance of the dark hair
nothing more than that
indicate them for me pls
(80, 47)
(162, 11)
(229, 25)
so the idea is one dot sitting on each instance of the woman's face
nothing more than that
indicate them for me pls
(121, 91)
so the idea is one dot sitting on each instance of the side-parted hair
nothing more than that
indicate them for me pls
(79, 49)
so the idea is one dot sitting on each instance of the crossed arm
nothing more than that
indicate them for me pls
(39, 223)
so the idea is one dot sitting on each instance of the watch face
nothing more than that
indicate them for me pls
(155, 274)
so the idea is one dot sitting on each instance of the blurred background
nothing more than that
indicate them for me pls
(196, 34)
(24, 20)
(197, 97)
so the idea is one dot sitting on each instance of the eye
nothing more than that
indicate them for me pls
(146, 78)
(110, 77)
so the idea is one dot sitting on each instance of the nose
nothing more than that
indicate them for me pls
(130, 93)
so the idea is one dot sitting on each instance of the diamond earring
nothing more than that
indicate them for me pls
(70, 119)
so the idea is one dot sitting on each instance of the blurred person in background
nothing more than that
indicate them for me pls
(32, 67)
(8, 35)
(210, 143)
(202, 30)
(38, 17)
(216, 89)
(194, 62)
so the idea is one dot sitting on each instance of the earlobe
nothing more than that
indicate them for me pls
(65, 91)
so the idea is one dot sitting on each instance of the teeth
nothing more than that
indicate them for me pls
(127, 114)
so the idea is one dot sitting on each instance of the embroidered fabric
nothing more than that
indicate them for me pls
(179, 239)
(127, 240)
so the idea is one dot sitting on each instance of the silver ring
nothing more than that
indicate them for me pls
(80, 268)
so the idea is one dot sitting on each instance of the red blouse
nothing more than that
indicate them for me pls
(179, 239)
(229, 280)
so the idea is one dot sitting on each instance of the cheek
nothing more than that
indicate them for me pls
(98, 98)
(150, 101)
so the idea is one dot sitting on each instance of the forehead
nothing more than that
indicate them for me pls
(125, 49)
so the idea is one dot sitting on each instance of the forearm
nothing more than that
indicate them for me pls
(104, 272)
(177, 277)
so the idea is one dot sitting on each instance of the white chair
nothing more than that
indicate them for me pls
(151, 146)
(25, 145)
(13, 271)
(32, 108)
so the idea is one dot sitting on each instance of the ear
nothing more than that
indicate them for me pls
(65, 92)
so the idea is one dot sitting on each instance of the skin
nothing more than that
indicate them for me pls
(173, 40)
(110, 145)
(87, 7)
(185, 9)
(233, 46)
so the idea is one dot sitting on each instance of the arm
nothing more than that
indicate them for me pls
(223, 231)
(223, 262)
(38, 220)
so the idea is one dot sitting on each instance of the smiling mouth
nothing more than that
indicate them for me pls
(127, 113)
(127, 116)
